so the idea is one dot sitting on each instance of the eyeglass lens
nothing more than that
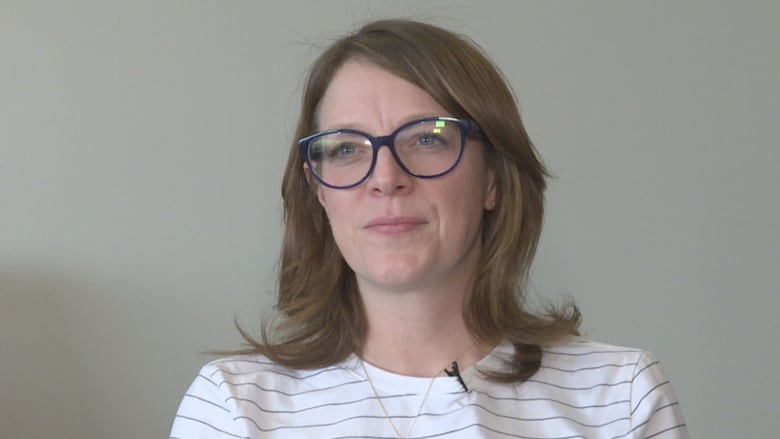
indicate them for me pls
(424, 149)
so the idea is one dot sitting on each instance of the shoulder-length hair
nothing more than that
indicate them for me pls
(320, 317)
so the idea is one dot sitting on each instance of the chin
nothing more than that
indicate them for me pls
(394, 277)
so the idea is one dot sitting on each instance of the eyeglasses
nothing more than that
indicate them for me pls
(425, 148)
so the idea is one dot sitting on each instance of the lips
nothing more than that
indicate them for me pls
(394, 225)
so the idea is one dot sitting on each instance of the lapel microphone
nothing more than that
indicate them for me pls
(455, 372)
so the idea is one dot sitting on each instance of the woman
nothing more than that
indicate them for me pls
(413, 205)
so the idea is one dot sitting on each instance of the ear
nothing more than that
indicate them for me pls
(491, 189)
(314, 185)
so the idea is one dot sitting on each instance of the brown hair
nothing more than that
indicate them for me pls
(320, 318)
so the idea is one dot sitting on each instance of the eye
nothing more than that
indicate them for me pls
(427, 139)
(342, 150)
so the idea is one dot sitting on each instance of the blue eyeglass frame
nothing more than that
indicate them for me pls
(466, 126)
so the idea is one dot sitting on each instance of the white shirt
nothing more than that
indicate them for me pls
(583, 389)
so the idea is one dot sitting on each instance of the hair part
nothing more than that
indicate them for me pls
(320, 316)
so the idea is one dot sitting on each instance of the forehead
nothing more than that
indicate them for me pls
(365, 96)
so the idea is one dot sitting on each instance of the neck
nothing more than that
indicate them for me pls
(418, 334)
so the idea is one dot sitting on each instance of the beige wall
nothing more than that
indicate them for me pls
(141, 146)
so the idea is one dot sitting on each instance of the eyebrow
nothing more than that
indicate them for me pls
(360, 127)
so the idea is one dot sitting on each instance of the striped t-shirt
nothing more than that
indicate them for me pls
(583, 389)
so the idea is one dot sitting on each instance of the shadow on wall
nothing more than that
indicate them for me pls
(39, 357)
(75, 358)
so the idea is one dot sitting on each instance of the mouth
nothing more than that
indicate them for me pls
(394, 225)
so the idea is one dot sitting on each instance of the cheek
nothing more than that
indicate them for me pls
(337, 203)
(340, 212)
(462, 205)
(460, 211)
(321, 197)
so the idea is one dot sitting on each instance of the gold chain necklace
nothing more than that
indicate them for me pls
(422, 403)
(384, 410)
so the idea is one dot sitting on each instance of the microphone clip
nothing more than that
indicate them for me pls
(455, 372)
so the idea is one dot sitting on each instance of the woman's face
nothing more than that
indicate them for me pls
(398, 232)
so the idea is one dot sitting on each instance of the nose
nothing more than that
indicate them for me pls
(388, 177)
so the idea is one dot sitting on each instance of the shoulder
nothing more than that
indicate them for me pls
(230, 397)
(261, 374)
(616, 375)
(576, 351)
(575, 368)
(582, 363)
(214, 389)
(245, 365)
